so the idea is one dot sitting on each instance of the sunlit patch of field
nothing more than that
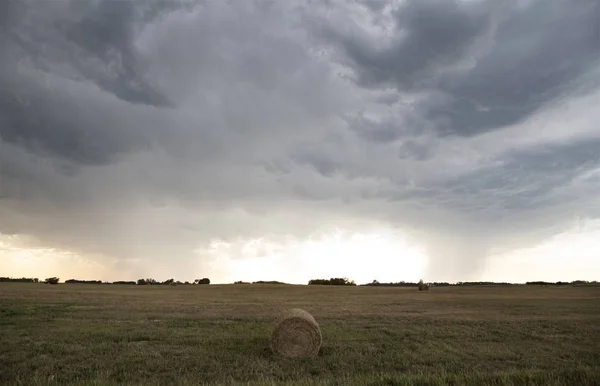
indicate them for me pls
(190, 335)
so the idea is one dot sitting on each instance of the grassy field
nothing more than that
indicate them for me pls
(190, 335)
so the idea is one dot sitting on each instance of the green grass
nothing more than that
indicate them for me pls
(190, 335)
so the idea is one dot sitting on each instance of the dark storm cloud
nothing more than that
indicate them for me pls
(50, 51)
(414, 149)
(78, 163)
(489, 66)
(536, 54)
(106, 31)
(7, 11)
(321, 162)
(144, 130)
(400, 124)
(90, 40)
(48, 121)
(428, 34)
(522, 182)
(381, 132)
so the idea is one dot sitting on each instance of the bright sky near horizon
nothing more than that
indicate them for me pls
(446, 140)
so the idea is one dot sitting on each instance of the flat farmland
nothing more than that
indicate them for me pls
(219, 334)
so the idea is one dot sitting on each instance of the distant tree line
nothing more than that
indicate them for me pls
(268, 282)
(19, 280)
(375, 283)
(332, 281)
(259, 282)
(50, 280)
(478, 283)
(55, 280)
(151, 281)
(75, 281)
(576, 282)
(435, 284)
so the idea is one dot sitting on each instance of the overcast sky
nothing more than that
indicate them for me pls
(289, 140)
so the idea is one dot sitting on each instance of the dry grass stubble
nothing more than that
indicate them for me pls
(219, 335)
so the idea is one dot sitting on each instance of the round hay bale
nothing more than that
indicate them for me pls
(296, 334)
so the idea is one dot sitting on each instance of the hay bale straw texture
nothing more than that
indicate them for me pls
(296, 335)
